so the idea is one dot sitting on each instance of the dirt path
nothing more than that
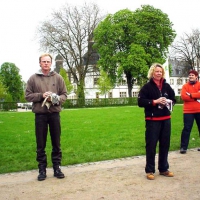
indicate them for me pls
(122, 179)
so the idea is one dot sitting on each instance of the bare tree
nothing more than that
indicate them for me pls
(187, 49)
(69, 33)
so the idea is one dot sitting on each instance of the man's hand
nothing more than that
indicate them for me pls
(47, 99)
(47, 94)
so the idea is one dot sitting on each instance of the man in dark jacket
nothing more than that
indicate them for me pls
(47, 90)
(157, 97)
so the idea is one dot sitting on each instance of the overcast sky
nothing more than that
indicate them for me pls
(20, 18)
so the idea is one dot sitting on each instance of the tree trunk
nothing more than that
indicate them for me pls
(129, 78)
(80, 91)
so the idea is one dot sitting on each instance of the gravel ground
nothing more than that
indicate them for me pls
(121, 179)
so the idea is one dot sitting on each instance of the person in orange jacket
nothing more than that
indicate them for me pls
(190, 94)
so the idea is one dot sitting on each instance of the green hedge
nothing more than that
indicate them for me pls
(179, 100)
(107, 102)
(8, 106)
(87, 103)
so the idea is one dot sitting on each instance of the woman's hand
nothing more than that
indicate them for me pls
(161, 100)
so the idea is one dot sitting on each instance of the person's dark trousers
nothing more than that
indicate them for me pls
(188, 120)
(42, 122)
(157, 131)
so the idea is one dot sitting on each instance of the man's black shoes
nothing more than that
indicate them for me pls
(58, 173)
(42, 176)
(183, 151)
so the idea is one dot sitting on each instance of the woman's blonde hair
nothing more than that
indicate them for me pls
(152, 69)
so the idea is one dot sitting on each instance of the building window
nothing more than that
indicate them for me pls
(179, 81)
(171, 81)
(135, 81)
(123, 82)
(97, 95)
(109, 94)
(122, 94)
(135, 94)
(179, 91)
(95, 81)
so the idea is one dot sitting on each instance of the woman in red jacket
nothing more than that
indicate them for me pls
(190, 94)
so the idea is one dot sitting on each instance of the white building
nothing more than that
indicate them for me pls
(179, 75)
(92, 92)
(177, 78)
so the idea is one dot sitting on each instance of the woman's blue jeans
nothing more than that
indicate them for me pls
(188, 120)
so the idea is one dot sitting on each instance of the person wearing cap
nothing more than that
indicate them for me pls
(190, 95)
(155, 97)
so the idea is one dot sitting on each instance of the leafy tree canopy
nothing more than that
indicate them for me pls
(132, 41)
(69, 86)
(12, 80)
(3, 91)
(104, 83)
(155, 32)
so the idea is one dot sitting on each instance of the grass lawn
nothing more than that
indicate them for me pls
(88, 135)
